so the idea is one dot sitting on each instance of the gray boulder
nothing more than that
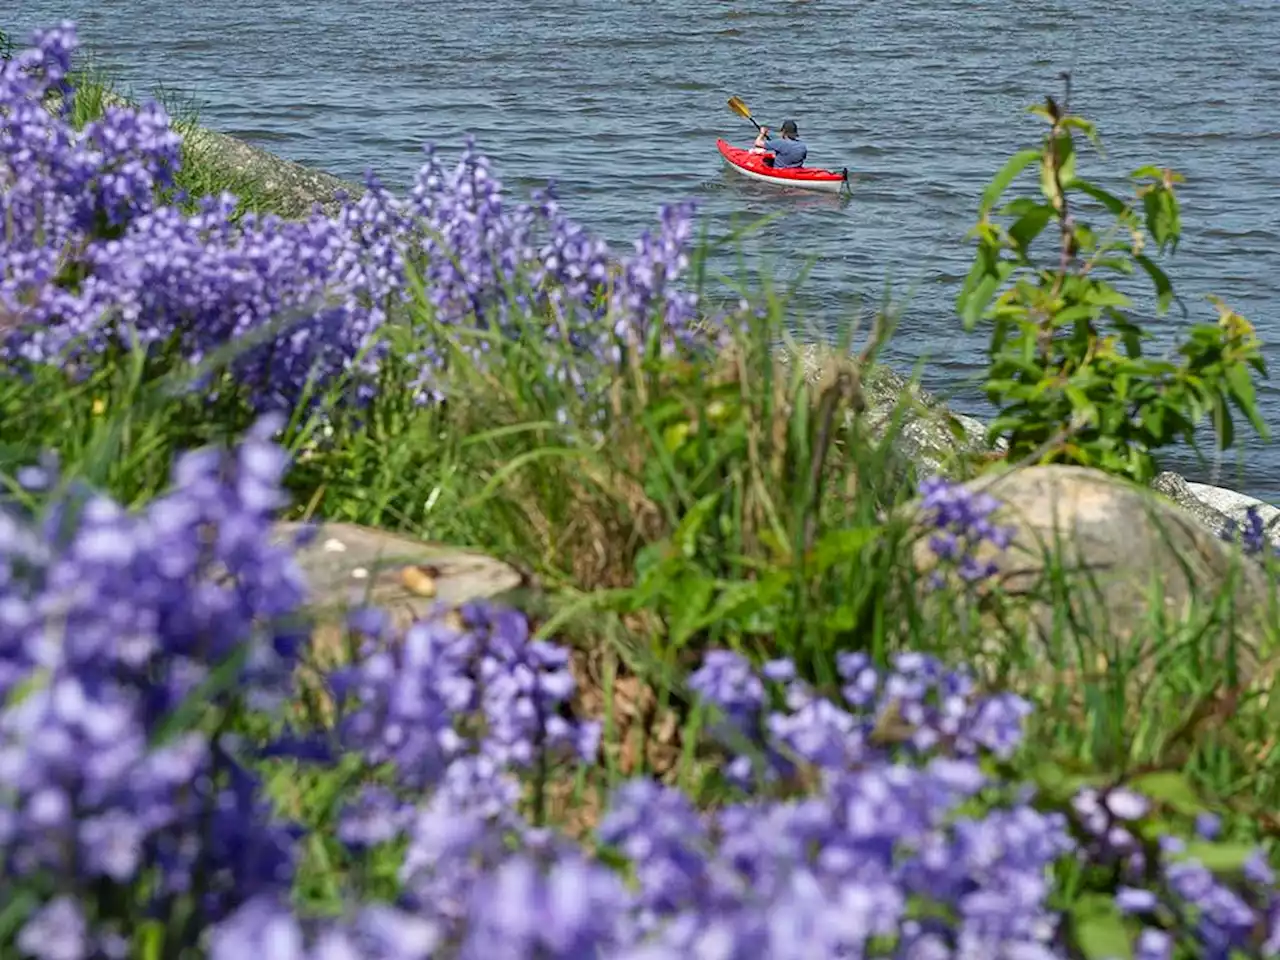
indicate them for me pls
(1176, 488)
(347, 565)
(1217, 506)
(1133, 567)
(930, 436)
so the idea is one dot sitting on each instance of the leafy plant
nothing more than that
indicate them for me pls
(1067, 367)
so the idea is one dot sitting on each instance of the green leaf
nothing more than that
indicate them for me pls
(1152, 417)
(1087, 127)
(1105, 295)
(1014, 166)
(981, 268)
(1219, 857)
(1075, 313)
(685, 536)
(1048, 186)
(690, 597)
(740, 595)
(1224, 424)
(13, 915)
(1099, 928)
(1161, 208)
(148, 940)
(33, 681)
(1240, 386)
(1170, 788)
(1159, 279)
(1055, 779)
(1019, 206)
(1030, 225)
(663, 410)
(674, 436)
(975, 304)
(1114, 205)
(841, 544)
(1083, 404)
(1118, 264)
(649, 558)
(1066, 162)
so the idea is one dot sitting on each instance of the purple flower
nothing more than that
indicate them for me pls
(57, 931)
(1208, 825)
(570, 908)
(1254, 537)
(267, 928)
(472, 670)
(1133, 900)
(963, 521)
(1126, 805)
(94, 260)
(1153, 945)
(115, 622)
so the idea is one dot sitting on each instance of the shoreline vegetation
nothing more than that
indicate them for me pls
(417, 577)
(269, 183)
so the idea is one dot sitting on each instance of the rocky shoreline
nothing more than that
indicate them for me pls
(929, 439)
(295, 189)
(931, 435)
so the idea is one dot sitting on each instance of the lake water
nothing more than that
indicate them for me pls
(621, 103)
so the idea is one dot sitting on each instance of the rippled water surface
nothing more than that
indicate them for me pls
(621, 102)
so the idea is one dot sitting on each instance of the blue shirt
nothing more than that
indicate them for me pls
(787, 153)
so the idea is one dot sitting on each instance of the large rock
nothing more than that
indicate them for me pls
(929, 436)
(1127, 556)
(348, 565)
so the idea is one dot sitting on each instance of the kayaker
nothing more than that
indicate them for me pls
(788, 152)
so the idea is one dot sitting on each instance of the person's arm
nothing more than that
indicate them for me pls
(760, 138)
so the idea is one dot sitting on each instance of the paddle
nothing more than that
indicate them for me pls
(742, 110)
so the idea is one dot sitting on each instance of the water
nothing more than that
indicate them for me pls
(621, 104)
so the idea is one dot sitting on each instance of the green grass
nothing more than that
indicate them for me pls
(710, 502)
(703, 510)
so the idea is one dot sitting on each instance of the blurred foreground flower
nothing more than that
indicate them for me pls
(125, 642)
(133, 646)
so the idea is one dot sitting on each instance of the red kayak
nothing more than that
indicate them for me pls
(758, 166)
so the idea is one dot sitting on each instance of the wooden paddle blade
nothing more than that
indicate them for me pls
(740, 108)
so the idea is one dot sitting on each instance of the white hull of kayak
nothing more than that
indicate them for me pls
(821, 186)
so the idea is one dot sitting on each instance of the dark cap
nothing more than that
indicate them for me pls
(789, 128)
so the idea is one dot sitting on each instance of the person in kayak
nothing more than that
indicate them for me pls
(789, 152)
